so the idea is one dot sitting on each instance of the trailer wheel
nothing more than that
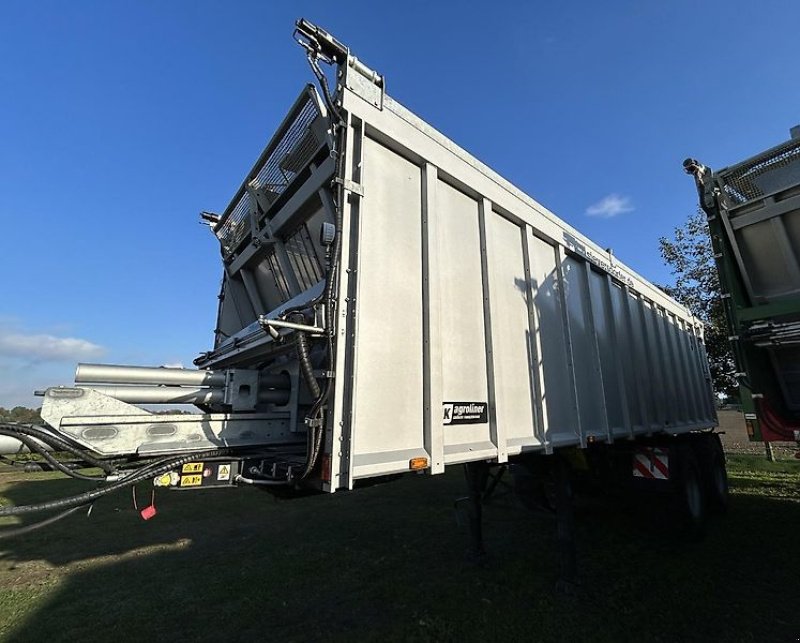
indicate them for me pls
(715, 473)
(691, 496)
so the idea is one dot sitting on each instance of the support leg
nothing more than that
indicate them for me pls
(494, 480)
(565, 528)
(476, 474)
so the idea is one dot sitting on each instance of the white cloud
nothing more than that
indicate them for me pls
(47, 347)
(173, 365)
(610, 206)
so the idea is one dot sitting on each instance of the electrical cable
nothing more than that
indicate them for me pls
(323, 81)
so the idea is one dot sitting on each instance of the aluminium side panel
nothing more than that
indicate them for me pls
(588, 380)
(555, 367)
(483, 326)
(387, 414)
(465, 378)
(513, 350)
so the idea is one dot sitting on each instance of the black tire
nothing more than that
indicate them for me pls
(690, 492)
(715, 473)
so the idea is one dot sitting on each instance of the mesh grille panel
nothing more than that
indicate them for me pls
(303, 258)
(763, 174)
(283, 161)
(236, 224)
(291, 154)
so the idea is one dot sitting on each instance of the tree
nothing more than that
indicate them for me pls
(20, 414)
(691, 258)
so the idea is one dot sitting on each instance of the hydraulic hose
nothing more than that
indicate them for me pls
(19, 531)
(152, 470)
(34, 447)
(57, 443)
(305, 363)
(263, 483)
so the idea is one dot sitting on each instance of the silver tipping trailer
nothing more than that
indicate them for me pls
(469, 322)
(388, 304)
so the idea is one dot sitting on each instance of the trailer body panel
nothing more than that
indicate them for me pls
(479, 310)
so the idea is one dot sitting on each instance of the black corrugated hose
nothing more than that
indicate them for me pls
(305, 362)
(58, 443)
(85, 499)
(315, 432)
(35, 447)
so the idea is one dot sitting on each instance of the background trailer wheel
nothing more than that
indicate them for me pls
(690, 490)
(715, 475)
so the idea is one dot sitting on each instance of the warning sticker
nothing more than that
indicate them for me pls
(464, 413)
(192, 467)
(224, 472)
(191, 481)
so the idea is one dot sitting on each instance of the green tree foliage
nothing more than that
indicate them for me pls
(20, 414)
(690, 256)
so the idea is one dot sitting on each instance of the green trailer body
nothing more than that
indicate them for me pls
(753, 211)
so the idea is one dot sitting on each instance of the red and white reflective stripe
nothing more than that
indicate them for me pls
(651, 463)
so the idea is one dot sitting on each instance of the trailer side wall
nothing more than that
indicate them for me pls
(478, 326)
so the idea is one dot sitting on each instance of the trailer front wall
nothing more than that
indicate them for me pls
(479, 326)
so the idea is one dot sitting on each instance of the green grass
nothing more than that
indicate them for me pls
(759, 463)
(387, 563)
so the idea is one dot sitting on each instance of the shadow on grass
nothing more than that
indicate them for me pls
(386, 563)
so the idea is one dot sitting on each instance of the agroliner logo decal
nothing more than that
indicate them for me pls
(464, 413)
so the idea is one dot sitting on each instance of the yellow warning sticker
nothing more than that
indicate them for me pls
(224, 472)
(192, 467)
(191, 481)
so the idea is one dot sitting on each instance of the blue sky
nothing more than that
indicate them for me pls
(120, 121)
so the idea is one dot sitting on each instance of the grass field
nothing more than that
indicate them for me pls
(387, 563)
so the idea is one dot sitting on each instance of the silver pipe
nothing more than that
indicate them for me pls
(278, 323)
(179, 394)
(115, 374)
(161, 394)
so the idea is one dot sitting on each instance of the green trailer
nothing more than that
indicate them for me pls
(753, 211)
